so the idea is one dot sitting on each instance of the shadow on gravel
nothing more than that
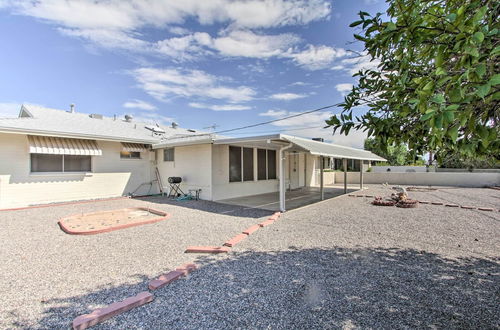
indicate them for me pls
(212, 207)
(313, 288)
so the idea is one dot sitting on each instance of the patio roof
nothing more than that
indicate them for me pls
(311, 146)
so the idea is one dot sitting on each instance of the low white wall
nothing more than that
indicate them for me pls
(110, 176)
(193, 164)
(399, 169)
(430, 178)
(329, 178)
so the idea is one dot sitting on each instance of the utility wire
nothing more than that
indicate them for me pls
(261, 123)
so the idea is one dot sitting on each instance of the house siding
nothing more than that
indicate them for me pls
(110, 176)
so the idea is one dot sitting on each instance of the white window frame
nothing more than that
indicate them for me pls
(173, 154)
(63, 171)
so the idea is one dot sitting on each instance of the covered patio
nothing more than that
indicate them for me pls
(312, 154)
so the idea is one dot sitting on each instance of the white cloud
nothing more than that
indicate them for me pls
(223, 107)
(274, 113)
(287, 96)
(299, 83)
(9, 109)
(178, 30)
(343, 88)
(361, 62)
(165, 83)
(138, 104)
(317, 57)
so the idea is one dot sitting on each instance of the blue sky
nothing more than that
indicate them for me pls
(230, 63)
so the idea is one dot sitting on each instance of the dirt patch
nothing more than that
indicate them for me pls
(101, 222)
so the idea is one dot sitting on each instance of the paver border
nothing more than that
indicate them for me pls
(163, 216)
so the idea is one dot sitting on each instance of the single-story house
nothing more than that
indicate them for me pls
(51, 155)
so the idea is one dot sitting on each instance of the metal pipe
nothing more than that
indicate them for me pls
(282, 176)
(360, 174)
(344, 164)
(321, 188)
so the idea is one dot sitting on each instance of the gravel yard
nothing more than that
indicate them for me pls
(342, 263)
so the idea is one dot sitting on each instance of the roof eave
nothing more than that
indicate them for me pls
(73, 135)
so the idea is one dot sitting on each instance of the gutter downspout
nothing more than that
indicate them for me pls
(282, 176)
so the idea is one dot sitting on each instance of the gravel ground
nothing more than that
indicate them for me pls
(342, 263)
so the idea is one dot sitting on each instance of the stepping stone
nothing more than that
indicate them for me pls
(424, 202)
(451, 205)
(187, 268)
(207, 249)
(102, 314)
(436, 203)
(165, 279)
(467, 207)
(251, 230)
(235, 240)
(266, 223)
(485, 209)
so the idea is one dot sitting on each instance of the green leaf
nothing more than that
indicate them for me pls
(478, 37)
(449, 116)
(453, 133)
(452, 107)
(451, 17)
(438, 98)
(481, 69)
(495, 51)
(479, 15)
(495, 80)
(440, 71)
(439, 121)
(356, 23)
(391, 26)
(428, 86)
(483, 90)
(427, 115)
(472, 51)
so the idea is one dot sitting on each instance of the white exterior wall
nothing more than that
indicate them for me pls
(430, 178)
(110, 176)
(193, 164)
(400, 169)
(223, 189)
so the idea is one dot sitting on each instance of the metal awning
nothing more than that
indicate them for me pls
(133, 147)
(63, 146)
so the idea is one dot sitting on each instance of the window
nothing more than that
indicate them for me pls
(247, 164)
(60, 163)
(266, 164)
(261, 164)
(234, 164)
(168, 155)
(130, 155)
(271, 164)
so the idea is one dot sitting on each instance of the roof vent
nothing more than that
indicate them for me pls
(174, 125)
(128, 118)
(72, 108)
(319, 139)
(155, 129)
(96, 116)
(191, 130)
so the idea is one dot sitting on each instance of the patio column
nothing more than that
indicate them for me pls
(344, 165)
(282, 176)
(321, 188)
(360, 174)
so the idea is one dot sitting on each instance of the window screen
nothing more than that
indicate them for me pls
(74, 163)
(168, 155)
(247, 164)
(271, 164)
(234, 164)
(46, 163)
(130, 155)
(261, 164)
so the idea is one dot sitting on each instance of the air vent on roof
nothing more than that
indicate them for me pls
(72, 108)
(319, 139)
(174, 125)
(128, 118)
(191, 130)
(96, 116)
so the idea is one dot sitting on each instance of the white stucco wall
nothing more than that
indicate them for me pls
(399, 169)
(110, 176)
(193, 164)
(431, 178)
(223, 189)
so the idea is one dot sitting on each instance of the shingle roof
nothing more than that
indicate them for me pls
(45, 121)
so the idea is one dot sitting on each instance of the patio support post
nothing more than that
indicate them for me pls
(360, 174)
(282, 176)
(344, 165)
(321, 188)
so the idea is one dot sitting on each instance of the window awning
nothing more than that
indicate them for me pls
(63, 146)
(133, 147)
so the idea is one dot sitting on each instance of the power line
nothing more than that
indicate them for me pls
(261, 123)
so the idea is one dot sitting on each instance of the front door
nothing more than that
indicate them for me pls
(294, 171)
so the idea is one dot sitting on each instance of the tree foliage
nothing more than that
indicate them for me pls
(437, 87)
(396, 155)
